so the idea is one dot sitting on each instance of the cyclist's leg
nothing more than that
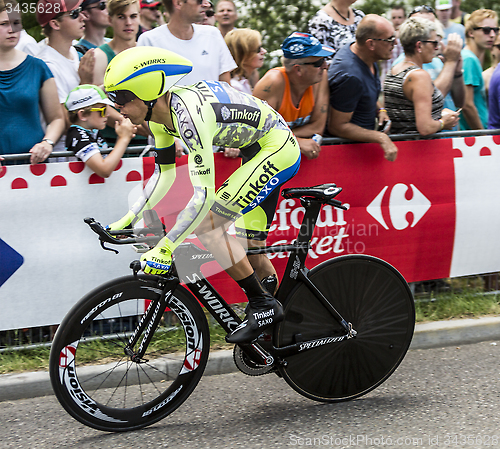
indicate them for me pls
(277, 160)
(232, 256)
(228, 252)
(252, 230)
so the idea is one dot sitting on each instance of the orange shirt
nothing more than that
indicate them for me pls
(295, 116)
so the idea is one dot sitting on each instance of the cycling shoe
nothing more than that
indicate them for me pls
(256, 320)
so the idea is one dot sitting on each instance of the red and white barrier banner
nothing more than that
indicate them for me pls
(432, 214)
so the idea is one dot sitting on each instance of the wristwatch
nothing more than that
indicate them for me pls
(50, 142)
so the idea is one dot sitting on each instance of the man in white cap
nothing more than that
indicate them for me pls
(299, 89)
(443, 12)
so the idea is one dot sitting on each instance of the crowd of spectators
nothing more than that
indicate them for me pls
(348, 75)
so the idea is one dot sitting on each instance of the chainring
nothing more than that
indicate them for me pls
(247, 366)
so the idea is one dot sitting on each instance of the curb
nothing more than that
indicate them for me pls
(426, 336)
(455, 332)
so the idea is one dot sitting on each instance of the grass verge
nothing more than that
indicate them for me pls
(443, 306)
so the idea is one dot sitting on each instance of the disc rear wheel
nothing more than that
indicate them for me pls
(375, 298)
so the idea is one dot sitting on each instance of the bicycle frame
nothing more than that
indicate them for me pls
(188, 261)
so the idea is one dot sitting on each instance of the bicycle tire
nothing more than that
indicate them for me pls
(114, 393)
(376, 299)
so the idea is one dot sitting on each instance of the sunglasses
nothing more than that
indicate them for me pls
(74, 13)
(101, 6)
(316, 64)
(436, 43)
(497, 46)
(259, 49)
(487, 30)
(390, 40)
(423, 8)
(209, 12)
(101, 110)
(121, 97)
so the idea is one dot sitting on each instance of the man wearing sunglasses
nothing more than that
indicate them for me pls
(62, 22)
(141, 81)
(299, 89)
(355, 85)
(481, 31)
(150, 15)
(96, 24)
(209, 15)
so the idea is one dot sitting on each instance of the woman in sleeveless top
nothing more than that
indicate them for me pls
(27, 92)
(412, 101)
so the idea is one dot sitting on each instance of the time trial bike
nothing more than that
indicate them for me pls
(348, 323)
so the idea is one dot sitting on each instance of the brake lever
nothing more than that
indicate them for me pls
(107, 248)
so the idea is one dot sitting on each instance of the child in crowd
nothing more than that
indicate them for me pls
(87, 106)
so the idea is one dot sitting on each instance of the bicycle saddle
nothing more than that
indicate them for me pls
(323, 192)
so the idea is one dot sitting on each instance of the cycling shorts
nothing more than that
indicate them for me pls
(250, 195)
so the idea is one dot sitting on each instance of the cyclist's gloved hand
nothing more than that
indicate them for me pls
(122, 223)
(158, 260)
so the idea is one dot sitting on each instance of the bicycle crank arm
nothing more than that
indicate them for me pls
(257, 354)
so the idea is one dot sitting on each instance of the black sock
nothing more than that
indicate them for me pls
(254, 289)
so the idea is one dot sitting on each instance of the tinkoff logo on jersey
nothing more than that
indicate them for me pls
(259, 190)
(237, 113)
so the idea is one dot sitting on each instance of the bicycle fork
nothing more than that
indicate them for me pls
(150, 320)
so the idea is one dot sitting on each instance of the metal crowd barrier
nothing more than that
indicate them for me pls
(141, 150)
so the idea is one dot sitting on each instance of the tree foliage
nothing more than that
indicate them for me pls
(277, 19)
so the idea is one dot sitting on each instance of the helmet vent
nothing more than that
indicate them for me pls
(162, 83)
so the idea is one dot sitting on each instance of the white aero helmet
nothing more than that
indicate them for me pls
(147, 72)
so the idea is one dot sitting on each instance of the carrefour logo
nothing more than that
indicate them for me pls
(399, 206)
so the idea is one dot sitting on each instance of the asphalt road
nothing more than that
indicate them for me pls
(446, 397)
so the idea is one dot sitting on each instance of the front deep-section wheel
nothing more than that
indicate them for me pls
(375, 298)
(94, 373)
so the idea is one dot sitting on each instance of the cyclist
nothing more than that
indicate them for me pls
(140, 81)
